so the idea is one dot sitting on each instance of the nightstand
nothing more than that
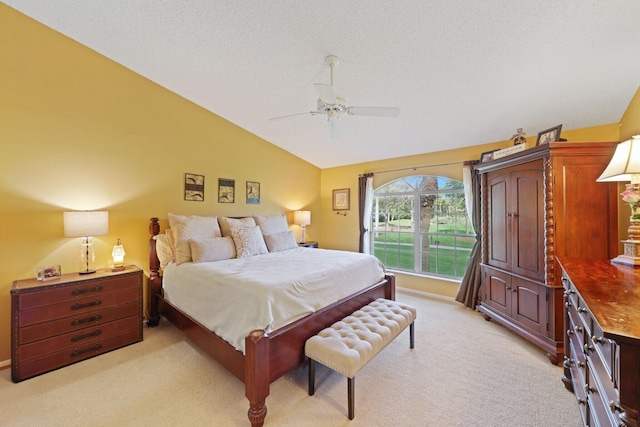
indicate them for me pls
(308, 244)
(62, 321)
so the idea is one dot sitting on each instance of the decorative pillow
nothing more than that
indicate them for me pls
(249, 241)
(163, 249)
(226, 224)
(280, 241)
(272, 224)
(191, 227)
(215, 249)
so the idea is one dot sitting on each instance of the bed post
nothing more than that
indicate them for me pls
(391, 289)
(155, 281)
(257, 376)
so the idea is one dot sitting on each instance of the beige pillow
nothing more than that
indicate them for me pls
(226, 224)
(163, 249)
(272, 224)
(280, 241)
(215, 249)
(191, 227)
(248, 241)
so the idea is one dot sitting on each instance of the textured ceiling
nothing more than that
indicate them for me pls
(462, 72)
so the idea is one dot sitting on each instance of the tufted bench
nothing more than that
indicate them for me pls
(348, 345)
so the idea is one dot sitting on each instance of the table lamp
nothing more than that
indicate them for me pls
(86, 224)
(302, 218)
(625, 166)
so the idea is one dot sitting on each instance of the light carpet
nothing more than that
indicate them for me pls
(464, 371)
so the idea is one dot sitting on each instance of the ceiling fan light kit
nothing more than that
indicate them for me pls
(333, 105)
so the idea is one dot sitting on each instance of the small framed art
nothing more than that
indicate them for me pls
(341, 200)
(226, 190)
(193, 187)
(549, 135)
(253, 193)
(487, 156)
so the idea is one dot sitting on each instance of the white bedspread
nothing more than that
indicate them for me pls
(236, 296)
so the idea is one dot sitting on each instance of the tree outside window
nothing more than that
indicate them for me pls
(420, 225)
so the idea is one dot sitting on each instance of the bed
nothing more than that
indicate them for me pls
(265, 354)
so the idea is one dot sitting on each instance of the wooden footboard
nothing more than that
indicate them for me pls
(267, 356)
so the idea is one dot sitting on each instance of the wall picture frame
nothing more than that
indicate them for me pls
(193, 187)
(253, 193)
(549, 135)
(487, 156)
(226, 190)
(341, 200)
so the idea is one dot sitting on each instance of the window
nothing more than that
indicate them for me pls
(420, 224)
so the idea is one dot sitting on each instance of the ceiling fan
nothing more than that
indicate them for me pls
(334, 105)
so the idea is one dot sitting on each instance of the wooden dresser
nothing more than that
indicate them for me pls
(537, 205)
(602, 322)
(62, 321)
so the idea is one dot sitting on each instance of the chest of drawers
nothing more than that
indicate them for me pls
(602, 350)
(60, 322)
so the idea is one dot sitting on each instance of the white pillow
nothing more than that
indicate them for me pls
(248, 241)
(272, 224)
(191, 227)
(280, 241)
(214, 249)
(226, 224)
(163, 249)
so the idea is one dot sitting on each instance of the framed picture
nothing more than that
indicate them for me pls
(193, 187)
(226, 190)
(341, 200)
(549, 135)
(487, 156)
(253, 193)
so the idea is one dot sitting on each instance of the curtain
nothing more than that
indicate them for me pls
(365, 202)
(470, 285)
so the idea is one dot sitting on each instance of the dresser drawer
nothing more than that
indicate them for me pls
(598, 398)
(79, 338)
(43, 330)
(72, 292)
(67, 356)
(79, 306)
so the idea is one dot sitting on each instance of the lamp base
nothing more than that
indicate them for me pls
(630, 256)
(87, 271)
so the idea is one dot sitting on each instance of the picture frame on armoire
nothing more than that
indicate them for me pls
(549, 135)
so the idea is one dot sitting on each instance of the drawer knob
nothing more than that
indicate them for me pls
(568, 304)
(579, 329)
(78, 306)
(77, 338)
(77, 292)
(567, 362)
(582, 310)
(598, 340)
(614, 406)
(77, 352)
(582, 401)
(587, 348)
(569, 332)
(77, 321)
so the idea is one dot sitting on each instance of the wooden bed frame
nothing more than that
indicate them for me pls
(267, 356)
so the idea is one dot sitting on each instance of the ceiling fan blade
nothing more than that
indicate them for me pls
(326, 93)
(313, 113)
(374, 111)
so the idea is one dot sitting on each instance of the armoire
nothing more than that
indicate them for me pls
(538, 206)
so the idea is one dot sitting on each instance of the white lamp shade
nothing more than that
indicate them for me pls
(625, 162)
(86, 223)
(302, 218)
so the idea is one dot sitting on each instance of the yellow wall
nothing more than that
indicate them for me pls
(80, 132)
(448, 163)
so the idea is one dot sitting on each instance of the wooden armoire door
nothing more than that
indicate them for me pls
(516, 220)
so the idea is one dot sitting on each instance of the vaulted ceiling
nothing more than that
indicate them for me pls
(461, 72)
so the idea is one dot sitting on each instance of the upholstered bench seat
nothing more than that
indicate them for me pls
(348, 345)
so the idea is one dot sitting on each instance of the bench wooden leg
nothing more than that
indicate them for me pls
(351, 385)
(411, 335)
(312, 376)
